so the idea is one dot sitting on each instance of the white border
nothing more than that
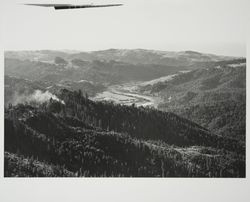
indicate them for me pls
(125, 189)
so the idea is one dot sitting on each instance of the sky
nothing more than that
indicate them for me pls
(210, 26)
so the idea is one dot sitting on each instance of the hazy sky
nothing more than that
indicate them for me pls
(214, 26)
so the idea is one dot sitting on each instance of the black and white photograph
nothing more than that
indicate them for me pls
(152, 89)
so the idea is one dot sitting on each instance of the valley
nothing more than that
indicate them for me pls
(127, 94)
(130, 93)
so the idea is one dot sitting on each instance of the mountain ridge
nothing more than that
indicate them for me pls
(72, 139)
(212, 97)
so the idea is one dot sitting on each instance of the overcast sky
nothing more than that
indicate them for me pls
(212, 26)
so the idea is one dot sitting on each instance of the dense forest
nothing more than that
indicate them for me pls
(213, 97)
(82, 138)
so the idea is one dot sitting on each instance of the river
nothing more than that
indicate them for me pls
(127, 94)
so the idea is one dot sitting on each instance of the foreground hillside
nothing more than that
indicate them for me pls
(79, 137)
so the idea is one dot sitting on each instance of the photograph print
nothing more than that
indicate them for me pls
(128, 88)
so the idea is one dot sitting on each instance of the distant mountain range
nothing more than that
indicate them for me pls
(133, 56)
(105, 72)
(103, 67)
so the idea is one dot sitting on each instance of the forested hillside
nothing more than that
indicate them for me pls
(214, 97)
(79, 137)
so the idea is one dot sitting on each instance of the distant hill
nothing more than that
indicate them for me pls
(104, 72)
(106, 67)
(133, 56)
(15, 88)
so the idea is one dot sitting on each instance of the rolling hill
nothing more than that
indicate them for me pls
(213, 97)
(132, 56)
(83, 138)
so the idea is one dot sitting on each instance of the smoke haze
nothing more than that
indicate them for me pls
(38, 97)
